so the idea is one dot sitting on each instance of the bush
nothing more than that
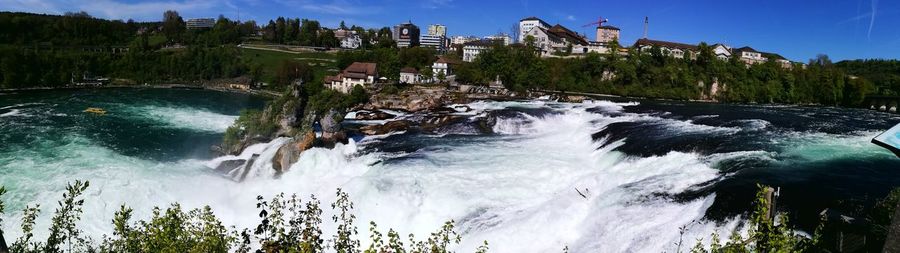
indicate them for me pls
(286, 225)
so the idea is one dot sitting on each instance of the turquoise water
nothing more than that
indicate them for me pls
(146, 134)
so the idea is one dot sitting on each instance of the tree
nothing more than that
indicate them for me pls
(441, 76)
(173, 26)
(514, 32)
(427, 74)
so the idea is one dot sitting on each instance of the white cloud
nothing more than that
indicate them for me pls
(344, 7)
(145, 10)
(434, 4)
(114, 9)
(35, 6)
(570, 18)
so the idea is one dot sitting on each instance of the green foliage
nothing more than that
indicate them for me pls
(329, 99)
(653, 74)
(286, 225)
(252, 123)
(882, 214)
(766, 233)
(64, 233)
(172, 230)
(883, 74)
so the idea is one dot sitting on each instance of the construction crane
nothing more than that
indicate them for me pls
(599, 22)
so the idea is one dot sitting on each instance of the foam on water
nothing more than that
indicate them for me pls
(189, 118)
(516, 190)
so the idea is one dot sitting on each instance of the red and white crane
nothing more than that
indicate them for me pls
(599, 22)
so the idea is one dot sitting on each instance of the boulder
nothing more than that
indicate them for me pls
(393, 126)
(376, 115)
(486, 123)
(285, 156)
(430, 123)
(289, 153)
(573, 99)
(229, 165)
(330, 122)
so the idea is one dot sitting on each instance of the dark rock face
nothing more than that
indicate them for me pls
(376, 115)
(330, 122)
(418, 98)
(393, 126)
(431, 123)
(486, 123)
(229, 165)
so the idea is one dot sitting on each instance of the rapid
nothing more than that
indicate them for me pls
(613, 175)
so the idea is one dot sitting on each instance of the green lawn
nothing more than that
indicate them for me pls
(270, 60)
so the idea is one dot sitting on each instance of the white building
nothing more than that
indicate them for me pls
(200, 23)
(526, 24)
(358, 73)
(671, 49)
(349, 39)
(592, 47)
(459, 40)
(472, 49)
(438, 42)
(749, 55)
(410, 75)
(722, 51)
(504, 38)
(556, 39)
(444, 66)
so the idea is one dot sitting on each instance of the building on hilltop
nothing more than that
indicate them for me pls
(349, 39)
(472, 49)
(721, 51)
(607, 33)
(502, 37)
(556, 39)
(667, 48)
(749, 56)
(200, 23)
(459, 40)
(358, 73)
(406, 35)
(529, 23)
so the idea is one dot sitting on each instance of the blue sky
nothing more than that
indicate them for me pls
(847, 29)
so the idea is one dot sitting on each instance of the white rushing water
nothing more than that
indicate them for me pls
(180, 117)
(517, 190)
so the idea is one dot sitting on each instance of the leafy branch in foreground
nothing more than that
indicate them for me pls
(768, 232)
(286, 225)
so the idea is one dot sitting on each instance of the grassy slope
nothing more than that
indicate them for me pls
(271, 60)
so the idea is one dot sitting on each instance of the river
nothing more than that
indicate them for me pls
(645, 168)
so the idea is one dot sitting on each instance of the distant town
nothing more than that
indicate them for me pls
(550, 40)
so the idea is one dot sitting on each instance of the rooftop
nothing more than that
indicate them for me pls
(366, 68)
(666, 44)
(409, 70)
(563, 32)
(609, 27)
